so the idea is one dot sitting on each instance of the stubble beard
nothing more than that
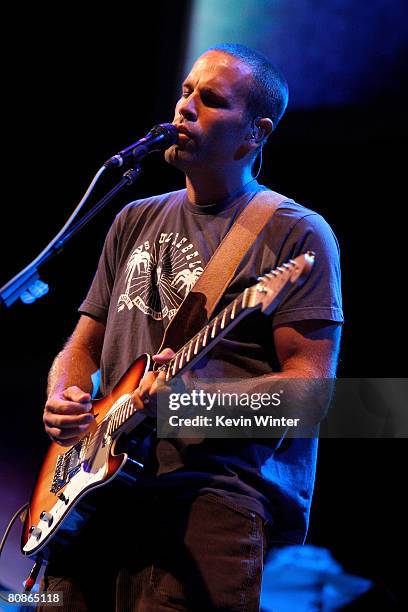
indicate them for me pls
(179, 158)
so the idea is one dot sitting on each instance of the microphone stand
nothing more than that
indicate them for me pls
(20, 283)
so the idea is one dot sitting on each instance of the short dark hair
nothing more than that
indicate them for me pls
(270, 95)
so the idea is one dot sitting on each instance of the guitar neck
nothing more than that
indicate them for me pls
(265, 295)
(212, 333)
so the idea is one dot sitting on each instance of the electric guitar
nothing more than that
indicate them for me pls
(57, 506)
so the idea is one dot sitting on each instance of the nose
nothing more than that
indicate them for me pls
(187, 108)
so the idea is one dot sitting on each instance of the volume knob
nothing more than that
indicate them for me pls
(47, 517)
(35, 532)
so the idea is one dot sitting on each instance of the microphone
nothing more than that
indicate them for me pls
(160, 137)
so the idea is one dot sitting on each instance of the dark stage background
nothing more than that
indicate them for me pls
(82, 89)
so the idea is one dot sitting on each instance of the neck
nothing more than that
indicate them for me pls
(205, 188)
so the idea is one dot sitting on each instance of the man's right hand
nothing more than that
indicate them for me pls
(67, 415)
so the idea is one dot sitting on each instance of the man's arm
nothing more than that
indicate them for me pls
(308, 354)
(308, 349)
(66, 413)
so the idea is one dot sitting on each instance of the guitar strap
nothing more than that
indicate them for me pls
(199, 304)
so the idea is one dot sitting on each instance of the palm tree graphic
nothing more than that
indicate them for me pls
(187, 278)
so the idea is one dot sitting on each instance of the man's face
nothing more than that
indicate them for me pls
(212, 110)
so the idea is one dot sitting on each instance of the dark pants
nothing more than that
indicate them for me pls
(205, 554)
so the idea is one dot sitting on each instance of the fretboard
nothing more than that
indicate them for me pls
(209, 335)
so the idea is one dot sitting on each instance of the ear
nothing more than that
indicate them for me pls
(261, 129)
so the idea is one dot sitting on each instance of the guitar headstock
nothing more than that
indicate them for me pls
(272, 286)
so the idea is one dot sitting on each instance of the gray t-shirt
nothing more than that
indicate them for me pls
(154, 252)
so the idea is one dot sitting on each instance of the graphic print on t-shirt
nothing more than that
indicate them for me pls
(158, 275)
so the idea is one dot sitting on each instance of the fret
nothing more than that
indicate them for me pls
(224, 316)
(119, 419)
(132, 408)
(204, 341)
(123, 414)
(180, 365)
(128, 409)
(120, 416)
(173, 369)
(197, 343)
(190, 346)
(234, 308)
(168, 371)
(245, 298)
(214, 327)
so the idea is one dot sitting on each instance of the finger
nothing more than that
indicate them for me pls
(159, 385)
(137, 401)
(161, 378)
(76, 394)
(66, 421)
(146, 383)
(164, 356)
(61, 407)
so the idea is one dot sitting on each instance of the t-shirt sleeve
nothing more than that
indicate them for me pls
(96, 303)
(319, 297)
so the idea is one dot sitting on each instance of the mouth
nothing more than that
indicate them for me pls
(183, 131)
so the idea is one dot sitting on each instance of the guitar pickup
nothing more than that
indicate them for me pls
(67, 466)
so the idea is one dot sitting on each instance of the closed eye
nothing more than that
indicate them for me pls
(209, 98)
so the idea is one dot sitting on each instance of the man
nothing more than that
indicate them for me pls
(197, 525)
